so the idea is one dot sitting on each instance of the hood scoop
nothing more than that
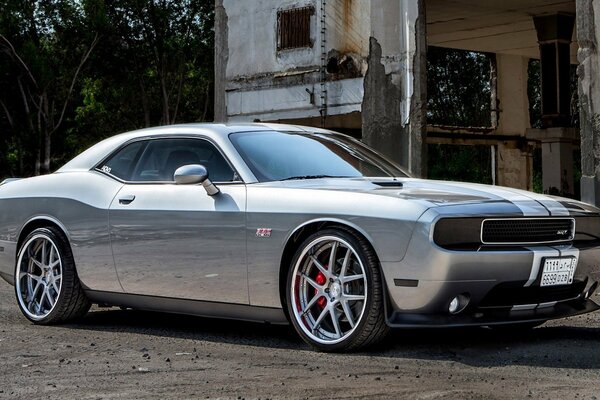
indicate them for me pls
(392, 184)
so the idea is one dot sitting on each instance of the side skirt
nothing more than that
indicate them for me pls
(199, 308)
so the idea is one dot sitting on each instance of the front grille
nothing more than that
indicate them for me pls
(523, 230)
(512, 293)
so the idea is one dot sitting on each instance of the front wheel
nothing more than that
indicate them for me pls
(334, 292)
(46, 283)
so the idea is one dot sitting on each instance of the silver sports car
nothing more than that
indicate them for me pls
(295, 224)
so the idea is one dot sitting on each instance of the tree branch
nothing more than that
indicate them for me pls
(11, 122)
(83, 60)
(15, 54)
(25, 105)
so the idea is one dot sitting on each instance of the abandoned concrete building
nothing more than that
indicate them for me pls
(361, 66)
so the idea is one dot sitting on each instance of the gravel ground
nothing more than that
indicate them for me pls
(115, 354)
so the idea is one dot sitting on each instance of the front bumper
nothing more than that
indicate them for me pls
(502, 285)
(491, 317)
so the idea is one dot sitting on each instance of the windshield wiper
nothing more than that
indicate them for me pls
(300, 177)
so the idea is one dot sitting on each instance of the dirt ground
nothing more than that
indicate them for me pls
(115, 354)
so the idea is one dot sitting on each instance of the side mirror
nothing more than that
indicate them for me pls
(193, 174)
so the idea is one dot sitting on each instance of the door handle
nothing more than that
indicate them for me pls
(125, 200)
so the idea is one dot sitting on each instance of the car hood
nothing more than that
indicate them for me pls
(436, 194)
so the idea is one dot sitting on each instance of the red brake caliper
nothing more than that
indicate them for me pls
(321, 279)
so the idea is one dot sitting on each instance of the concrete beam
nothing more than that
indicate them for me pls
(588, 35)
(395, 84)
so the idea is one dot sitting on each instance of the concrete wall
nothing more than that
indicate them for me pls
(380, 85)
(264, 83)
(588, 35)
(393, 109)
(380, 39)
(252, 40)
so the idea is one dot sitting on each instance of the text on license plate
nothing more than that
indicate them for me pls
(558, 271)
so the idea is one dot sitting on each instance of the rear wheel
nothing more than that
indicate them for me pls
(46, 283)
(334, 292)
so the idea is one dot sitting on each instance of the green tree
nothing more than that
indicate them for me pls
(458, 88)
(44, 61)
(76, 71)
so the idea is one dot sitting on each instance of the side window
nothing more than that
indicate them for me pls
(162, 157)
(123, 162)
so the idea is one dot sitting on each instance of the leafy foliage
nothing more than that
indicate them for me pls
(465, 163)
(459, 94)
(75, 71)
(458, 88)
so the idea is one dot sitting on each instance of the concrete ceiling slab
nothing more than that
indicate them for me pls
(497, 26)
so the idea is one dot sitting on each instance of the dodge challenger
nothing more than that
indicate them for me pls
(283, 223)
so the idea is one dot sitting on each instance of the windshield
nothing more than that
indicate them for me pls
(275, 156)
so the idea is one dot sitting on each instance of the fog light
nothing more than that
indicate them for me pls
(453, 307)
(458, 303)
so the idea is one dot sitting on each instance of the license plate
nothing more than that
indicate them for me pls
(558, 271)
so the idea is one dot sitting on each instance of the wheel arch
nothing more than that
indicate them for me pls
(299, 234)
(36, 222)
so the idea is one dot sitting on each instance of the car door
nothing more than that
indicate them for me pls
(175, 240)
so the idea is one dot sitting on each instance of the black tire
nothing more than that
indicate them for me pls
(370, 327)
(69, 301)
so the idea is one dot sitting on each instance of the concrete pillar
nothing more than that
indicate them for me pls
(511, 89)
(514, 166)
(588, 36)
(557, 159)
(221, 58)
(514, 160)
(554, 34)
(395, 84)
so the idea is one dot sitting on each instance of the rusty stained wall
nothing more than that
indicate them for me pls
(252, 35)
(263, 83)
(252, 39)
(348, 27)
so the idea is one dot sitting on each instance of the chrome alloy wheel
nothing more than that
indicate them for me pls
(329, 289)
(39, 277)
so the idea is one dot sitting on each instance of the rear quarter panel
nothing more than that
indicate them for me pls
(78, 203)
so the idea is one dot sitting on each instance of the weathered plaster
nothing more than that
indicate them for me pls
(252, 30)
(393, 107)
(514, 166)
(589, 98)
(381, 109)
(263, 83)
(294, 101)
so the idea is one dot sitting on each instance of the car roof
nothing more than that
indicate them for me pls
(215, 131)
